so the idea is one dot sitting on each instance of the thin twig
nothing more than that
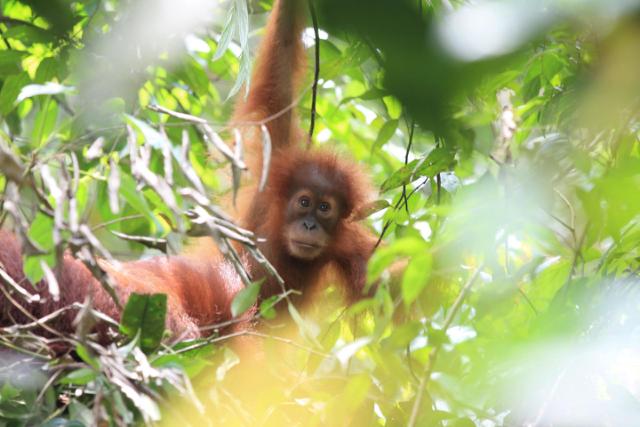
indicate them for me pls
(545, 405)
(241, 123)
(6, 279)
(254, 334)
(433, 355)
(207, 130)
(20, 349)
(412, 129)
(52, 379)
(5, 40)
(117, 220)
(316, 75)
(26, 312)
(577, 254)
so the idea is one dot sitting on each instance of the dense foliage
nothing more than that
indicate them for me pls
(503, 138)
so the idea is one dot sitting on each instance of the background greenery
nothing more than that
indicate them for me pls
(503, 138)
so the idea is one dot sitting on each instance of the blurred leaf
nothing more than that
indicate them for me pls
(28, 34)
(10, 62)
(394, 107)
(385, 134)
(384, 257)
(84, 354)
(416, 276)
(462, 422)
(402, 335)
(11, 89)
(134, 198)
(48, 69)
(196, 77)
(46, 120)
(57, 12)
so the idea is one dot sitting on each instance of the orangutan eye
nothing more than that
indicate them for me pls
(324, 207)
(304, 202)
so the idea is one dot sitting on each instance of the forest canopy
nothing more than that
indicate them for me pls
(503, 140)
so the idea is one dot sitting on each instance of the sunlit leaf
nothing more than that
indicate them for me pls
(29, 34)
(48, 88)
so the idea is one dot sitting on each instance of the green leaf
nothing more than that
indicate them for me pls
(551, 65)
(45, 121)
(41, 231)
(352, 396)
(10, 91)
(245, 299)
(134, 197)
(81, 413)
(196, 77)
(394, 108)
(28, 34)
(402, 176)
(84, 354)
(47, 70)
(438, 160)
(10, 62)
(437, 337)
(369, 95)
(268, 308)
(385, 256)
(80, 376)
(402, 335)
(416, 276)
(8, 392)
(145, 315)
(33, 267)
(386, 132)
